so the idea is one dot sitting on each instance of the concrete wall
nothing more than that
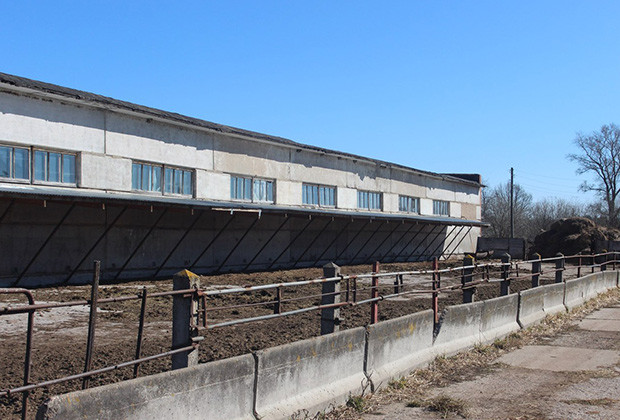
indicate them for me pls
(216, 390)
(303, 378)
(107, 141)
(310, 374)
(397, 346)
(535, 304)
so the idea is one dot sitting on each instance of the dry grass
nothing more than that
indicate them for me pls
(444, 371)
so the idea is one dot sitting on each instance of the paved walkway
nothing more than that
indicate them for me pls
(575, 375)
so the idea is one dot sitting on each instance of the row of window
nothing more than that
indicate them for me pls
(47, 166)
(57, 167)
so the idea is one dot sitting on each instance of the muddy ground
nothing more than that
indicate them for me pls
(59, 340)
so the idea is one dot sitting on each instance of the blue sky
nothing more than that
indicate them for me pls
(445, 86)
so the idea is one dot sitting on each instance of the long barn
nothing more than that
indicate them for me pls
(150, 192)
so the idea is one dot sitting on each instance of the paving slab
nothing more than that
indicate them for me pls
(600, 324)
(574, 375)
(560, 359)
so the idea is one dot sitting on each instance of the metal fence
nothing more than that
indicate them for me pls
(337, 292)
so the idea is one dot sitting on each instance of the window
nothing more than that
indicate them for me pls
(178, 181)
(368, 200)
(14, 162)
(408, 204)
(251, 189)
(441, 208)
(150, 177)
(319, 195)
(54, 167)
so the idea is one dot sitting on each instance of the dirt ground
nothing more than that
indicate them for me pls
(59, 340)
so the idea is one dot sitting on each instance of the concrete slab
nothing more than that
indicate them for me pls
(560, 359)
(606, 313)
(600, 324)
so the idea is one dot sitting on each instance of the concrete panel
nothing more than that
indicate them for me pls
(426, 206)
(455, 210)
(103, 172)
(310, 374)
(346, 198)
(153, 141)
(413, 188)
(531, 306)
(535, 304)
(459, 328)
(212, 186)
(397, 346)
(34, 122)
(580, 290)
(499, 317)
(216, 390)
(390, 202)
(288, 193)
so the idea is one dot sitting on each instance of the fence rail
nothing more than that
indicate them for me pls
(337, 292)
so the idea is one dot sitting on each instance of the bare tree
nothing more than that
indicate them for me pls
(543, 213)
(496, 210)
(600, 153)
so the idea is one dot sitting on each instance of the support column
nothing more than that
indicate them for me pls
(330, 317)
(184, 312)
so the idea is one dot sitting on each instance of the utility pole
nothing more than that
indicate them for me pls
(512, 211)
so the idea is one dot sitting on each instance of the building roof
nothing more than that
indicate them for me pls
(23, 84)
(25, 191)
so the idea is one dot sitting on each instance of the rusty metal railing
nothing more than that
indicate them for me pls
(356, 290)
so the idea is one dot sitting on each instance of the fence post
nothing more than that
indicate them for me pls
(330, 290)
(374, 293)
(536, 266)
(579, 266)
(436, 285)
(184, 312)
(92, 322)
(467, 277)
(603, 260)
(505, 283)
(559, 267)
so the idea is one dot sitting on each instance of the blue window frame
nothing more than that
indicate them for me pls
(161, 179)
(441, 208)
(408, 204)
(319, 195)
(14, 163)
(251, 189)
(368, 200)
(54, 167)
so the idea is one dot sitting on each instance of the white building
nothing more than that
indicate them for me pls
(149, 192)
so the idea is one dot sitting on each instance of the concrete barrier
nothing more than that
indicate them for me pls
(458, 329)
(310, 374)
(580, 290)
(397, 346)
(216, 390)
(499, 317)
(535, 304)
